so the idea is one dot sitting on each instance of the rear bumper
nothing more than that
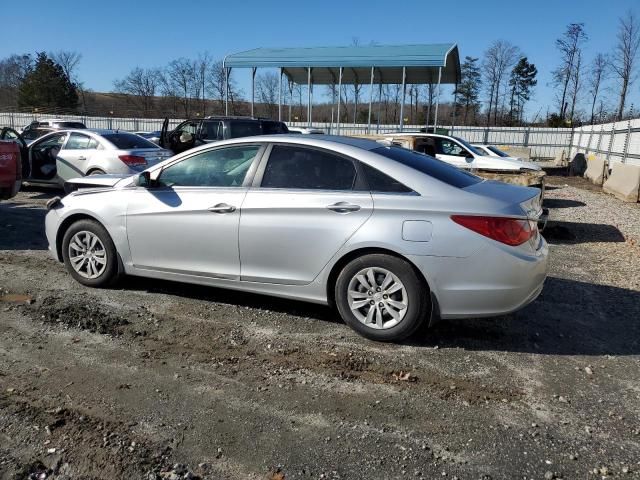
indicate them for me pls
(489, 283)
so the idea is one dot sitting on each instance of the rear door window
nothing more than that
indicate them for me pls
(295, 167)
(77, 141)
(244, 129)
(211, 130)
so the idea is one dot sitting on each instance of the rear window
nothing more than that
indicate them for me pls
(428, 165)
(244, 129)
(128, 141)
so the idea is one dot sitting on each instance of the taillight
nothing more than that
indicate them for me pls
(133, 160)
(510, 231)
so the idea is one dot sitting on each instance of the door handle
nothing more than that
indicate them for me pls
(343, 207)
(222, 208)
(82, 158)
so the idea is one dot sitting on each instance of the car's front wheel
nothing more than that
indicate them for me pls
(381, 297)
(89, 254)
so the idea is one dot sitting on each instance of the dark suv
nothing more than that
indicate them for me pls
(195, 132)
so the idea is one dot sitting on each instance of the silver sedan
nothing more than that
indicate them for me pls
(65, 154)
(390, 237)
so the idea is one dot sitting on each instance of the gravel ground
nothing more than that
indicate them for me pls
(158, 380)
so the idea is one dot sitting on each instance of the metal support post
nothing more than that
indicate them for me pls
(404, 92)
(370, 101)
(227, 72)
(339, 101)
(280, 97)
(253, 88)
(308, 96)
(435, 118)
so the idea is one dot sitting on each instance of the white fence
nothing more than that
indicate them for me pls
(616, 141)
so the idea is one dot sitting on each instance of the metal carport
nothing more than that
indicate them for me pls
(379, 64)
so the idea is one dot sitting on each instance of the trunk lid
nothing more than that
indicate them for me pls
(528, 199)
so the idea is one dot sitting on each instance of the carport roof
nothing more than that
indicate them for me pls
(422, 63)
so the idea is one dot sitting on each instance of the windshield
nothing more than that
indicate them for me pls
(470, 147)
(244, 129)
(128, 141)
(434, 168)
(497, 151)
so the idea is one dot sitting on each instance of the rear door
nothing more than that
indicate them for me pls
(303, 208)
(75, 156)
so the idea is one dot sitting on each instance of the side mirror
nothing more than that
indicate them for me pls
(469, 158)
(143, 180)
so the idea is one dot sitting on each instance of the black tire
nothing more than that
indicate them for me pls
(96, 171)
(111, 272)
(416, 291)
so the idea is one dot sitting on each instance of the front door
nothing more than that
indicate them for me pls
(306, 207)
(43, 158)
(452, 152)
(187, 221)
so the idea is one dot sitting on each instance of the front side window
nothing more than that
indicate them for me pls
(306, 168)
(77, 141)
(223, 167)
(445, 146)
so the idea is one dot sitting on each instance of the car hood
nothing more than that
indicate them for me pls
(486, 162)
(93, 181)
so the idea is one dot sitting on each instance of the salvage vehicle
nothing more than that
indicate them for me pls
(37, 129)
(10, 169)
(493, 151)
(460, 153)
(65, 154)
(195, 132)
(392, 238)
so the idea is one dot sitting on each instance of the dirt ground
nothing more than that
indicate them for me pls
(158, 380)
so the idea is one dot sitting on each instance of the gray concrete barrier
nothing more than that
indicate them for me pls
(624, 182)
(596, 168)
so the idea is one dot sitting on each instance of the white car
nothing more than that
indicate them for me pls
(459, 152)
(306, 130)
(494, 151)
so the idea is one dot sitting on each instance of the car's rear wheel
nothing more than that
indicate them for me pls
(381, 297)
(89, 254)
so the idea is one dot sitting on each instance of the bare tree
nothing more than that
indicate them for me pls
(267, 85)
(570, 46)
(69, 61)
(575, 84)
(13, 70)
(179, 78)
(142, 85)
(625, 55)
(498, 60)
(201, 72)
(597, 74)
(215, 85)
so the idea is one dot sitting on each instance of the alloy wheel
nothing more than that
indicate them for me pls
(87, 254)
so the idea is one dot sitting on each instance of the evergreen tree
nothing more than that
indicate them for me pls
(46, 85)
(468, 90)
(522, 80)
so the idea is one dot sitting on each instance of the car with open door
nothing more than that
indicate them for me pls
(64, 154)
(392, 238)
(200, 131)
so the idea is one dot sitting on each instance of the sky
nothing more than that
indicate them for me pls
(114, 36)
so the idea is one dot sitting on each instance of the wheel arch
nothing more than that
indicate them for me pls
(359, 252)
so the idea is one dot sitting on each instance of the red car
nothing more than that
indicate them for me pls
(10, 165)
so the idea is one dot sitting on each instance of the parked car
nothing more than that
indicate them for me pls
(151, 136)
(195, 132)
(389, 236)
(494, 151)
(64, 154)
(307, 130)
(462, 154)
(10, 169)
(39, 128)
